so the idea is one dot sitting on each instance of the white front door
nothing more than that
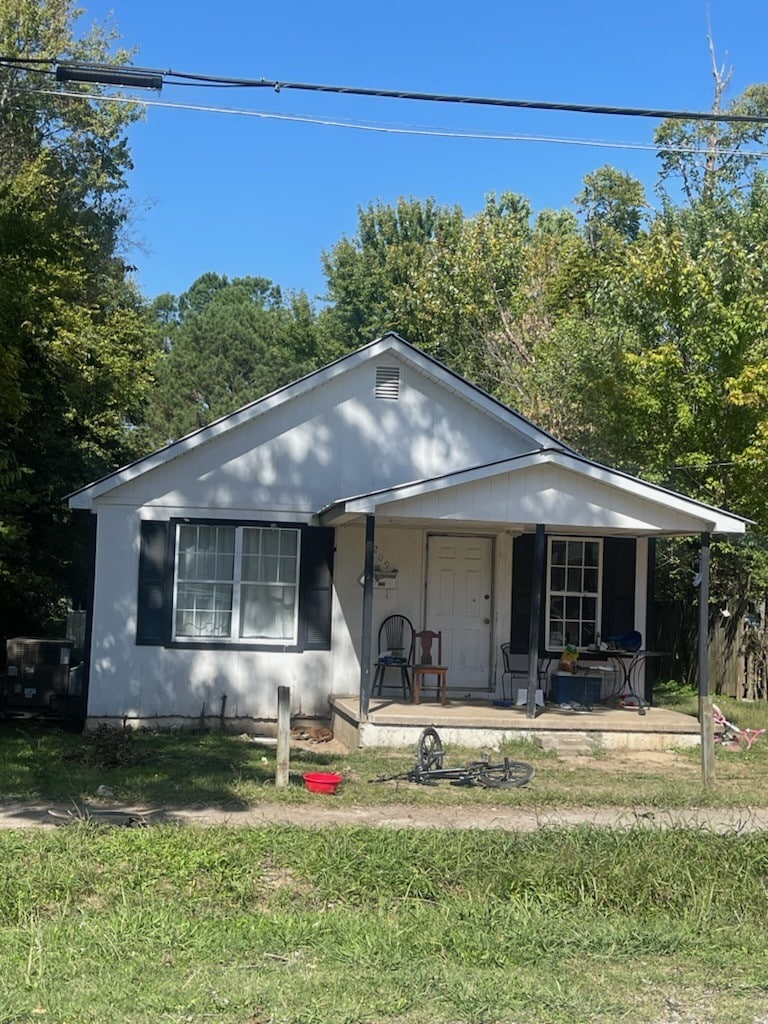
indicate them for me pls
(458, 603)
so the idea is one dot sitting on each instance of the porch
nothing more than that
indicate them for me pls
(476, 723)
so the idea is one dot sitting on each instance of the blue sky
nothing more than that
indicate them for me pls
(251, 195)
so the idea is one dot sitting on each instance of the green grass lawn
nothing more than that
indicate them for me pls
(282, 925)
(353, 925)
(221, 770)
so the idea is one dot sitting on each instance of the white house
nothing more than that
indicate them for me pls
(266, 548)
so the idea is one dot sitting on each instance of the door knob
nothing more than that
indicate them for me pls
(486, 621)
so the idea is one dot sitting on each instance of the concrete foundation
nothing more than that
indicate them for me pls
(479, 724)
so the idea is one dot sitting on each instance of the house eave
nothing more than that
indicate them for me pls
(692, 516)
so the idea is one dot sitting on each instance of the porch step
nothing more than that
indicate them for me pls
(565, 744)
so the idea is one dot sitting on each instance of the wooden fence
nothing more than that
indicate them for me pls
(738, 647)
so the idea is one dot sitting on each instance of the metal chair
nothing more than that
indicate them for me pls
(425, 666)
(521, 674)
(395, 650)
(510, 673)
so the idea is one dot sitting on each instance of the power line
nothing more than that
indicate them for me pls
(394, 129)
(429, 97)
(183, 77)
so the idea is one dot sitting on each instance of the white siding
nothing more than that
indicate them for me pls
(544, 494)
(157, 684)
(335, 441)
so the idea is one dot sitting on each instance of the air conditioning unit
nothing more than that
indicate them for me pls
(37, 675)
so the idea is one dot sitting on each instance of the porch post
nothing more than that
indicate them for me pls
(706, 722)
(539, 551)
(365, 644)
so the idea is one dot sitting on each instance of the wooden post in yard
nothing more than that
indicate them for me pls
(706, 721)
(282, 765)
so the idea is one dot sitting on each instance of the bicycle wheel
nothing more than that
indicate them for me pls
(430, 752)
(510, 775)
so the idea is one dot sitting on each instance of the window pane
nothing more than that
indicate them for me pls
(558, 552)
(269, 566)
(289, 543)
(203, 609)
(251, 568)
(268, 593)
(587, 634)
(592, 553)
(267, 612)
(590, 581)
(288, 568)
(572, 632)
(205, 538)
(575, 552)
(574, 580)
(573, 608)
(270, 542)
(251, 542)
(558, 579)
(556, 609)
(224, 567)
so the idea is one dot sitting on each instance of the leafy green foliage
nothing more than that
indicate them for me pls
(636, 335)
(711, 160)
(224, 344)
(75, 349)
(372, 277)
(612, 204)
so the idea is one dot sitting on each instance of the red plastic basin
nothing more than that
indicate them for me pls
(322, 782)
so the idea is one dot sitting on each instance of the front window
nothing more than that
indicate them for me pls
(236, 583)
(573, 592)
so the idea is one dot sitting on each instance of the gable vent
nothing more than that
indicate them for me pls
(387, 382)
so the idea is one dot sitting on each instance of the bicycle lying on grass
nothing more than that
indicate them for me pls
(429, 769)
(732, 737)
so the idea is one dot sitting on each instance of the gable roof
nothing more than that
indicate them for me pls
(388, 344)
(509, 491)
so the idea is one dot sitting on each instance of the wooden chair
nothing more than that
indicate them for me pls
(395, 651)
(425, 666)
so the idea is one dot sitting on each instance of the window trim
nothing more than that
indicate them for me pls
(235, 640)
(598, 595)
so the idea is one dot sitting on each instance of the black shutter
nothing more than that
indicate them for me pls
(316, 587)
(155, 597)
(618, 586)
(522, 592)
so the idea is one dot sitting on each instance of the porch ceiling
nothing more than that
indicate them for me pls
(552, 487)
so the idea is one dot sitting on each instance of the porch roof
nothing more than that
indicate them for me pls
(552, 486)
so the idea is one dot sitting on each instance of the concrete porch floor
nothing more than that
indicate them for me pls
(478, 723)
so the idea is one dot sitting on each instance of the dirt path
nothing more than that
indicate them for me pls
(393, 816)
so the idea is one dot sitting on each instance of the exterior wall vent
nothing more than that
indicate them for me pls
(387, 382)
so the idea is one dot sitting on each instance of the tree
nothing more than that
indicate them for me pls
(711, 159)
(226, 343)
(74, 341)
(612, 204)
(372, 276)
